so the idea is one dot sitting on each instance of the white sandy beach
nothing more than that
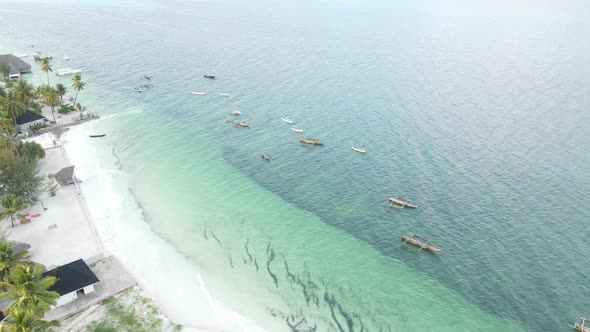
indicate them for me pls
(99, 217)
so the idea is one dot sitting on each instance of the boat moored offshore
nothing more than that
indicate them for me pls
(67, 71)
(359, 150)
(297, 130)
(287, 120)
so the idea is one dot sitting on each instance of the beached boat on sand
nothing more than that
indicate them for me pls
(400, 202)
(360, 150)
(311, 141)
(196, 93)
(242, 124)
(100, 135)
(235, 112)
(297, 130)
(287, 120)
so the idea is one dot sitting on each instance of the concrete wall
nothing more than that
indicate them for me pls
(67, 298)
(88, 289)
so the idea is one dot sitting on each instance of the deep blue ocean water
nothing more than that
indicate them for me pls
(477, 112)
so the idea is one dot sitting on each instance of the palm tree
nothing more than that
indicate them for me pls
(78, 85)
(11, 204)
(24, 91)
(26, 286)
(8, 129)
(26, 319)
(51, 98)
(11, 105)
(61, 90)
(9, 258)
(80, 108)
(46, 67)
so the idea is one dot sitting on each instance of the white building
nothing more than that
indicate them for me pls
(74, 279)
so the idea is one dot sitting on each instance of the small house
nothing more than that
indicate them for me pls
(74, 279)
(27, 120)
(16, 65)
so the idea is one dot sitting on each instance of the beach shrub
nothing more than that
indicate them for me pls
(19, 176)
(66, 108)
(36, 127)
(32, 150)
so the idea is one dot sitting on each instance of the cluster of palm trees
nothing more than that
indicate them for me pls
(22, 95)
(22, 283)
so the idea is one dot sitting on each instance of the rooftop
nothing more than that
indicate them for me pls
(27, 117)
(15, 64)
(71, 277)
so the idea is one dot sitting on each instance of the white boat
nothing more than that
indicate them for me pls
(285, 119)
(235, 112)
(21, 55)
(297, 130)
(67, 71)
(198, 93)
(361, 150)
(224, 94)
(66, 57)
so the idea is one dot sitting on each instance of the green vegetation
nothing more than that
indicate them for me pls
(18, 176)
(78, 85)
(66, 108)
(9, 258)
(46, 67)
(61, 90)
(130, 312)
(22, 284)
(11, 205)
(32, 150)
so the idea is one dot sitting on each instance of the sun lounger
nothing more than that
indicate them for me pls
(36, 215)
(25, 221)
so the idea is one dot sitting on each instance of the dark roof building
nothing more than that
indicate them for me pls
(29, 117)
(72, 277)
(16, 65)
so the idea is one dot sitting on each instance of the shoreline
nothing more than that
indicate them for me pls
(216, 310)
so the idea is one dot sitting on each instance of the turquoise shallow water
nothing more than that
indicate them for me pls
(479, 113)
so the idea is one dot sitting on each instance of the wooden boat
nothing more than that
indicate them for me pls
(287, 120)
(100, 135)
(242, 124)
(580, 327)
(209, 76)
(198, 93)
(297, 130)
(417, 241)
(265, 157)
(360, 150)
(311, 141)
(235, 112)
(224, 94)
(401, 202)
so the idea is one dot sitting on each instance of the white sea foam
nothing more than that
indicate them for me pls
(170, 278)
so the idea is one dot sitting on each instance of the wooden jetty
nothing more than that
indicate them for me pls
(417, 241)
(311, 141)
(401, 202)
(580, 327)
